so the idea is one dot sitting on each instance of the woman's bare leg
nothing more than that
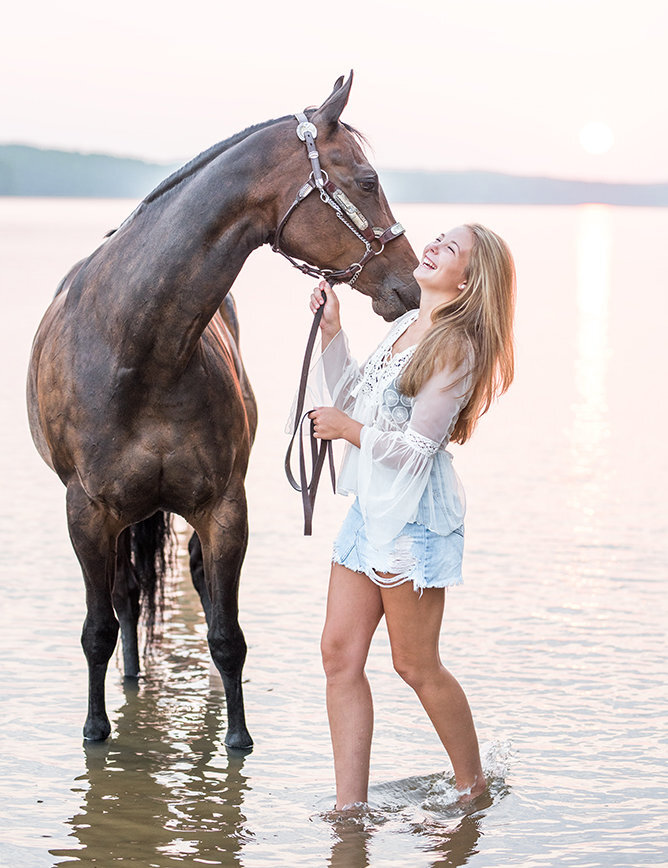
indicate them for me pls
(413, 624)
(354, 608)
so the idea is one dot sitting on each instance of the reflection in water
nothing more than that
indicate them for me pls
(162, 787)
(449, 833)
(452, 848)
(157, 797)
(350, 847)
(590, 430)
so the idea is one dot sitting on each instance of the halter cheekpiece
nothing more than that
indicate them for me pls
(373, 237)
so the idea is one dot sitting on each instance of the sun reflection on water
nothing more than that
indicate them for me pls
(590, 428)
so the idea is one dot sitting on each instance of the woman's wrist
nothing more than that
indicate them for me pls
(352, 432)
(328, 333)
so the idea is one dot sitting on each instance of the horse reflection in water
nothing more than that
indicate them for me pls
(157, 796)
(137, 396)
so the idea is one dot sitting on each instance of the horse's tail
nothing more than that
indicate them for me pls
(152, 556)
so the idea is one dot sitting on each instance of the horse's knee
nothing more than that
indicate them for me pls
(98, 638)
(228, 648)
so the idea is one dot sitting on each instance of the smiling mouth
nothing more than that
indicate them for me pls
(428, 263)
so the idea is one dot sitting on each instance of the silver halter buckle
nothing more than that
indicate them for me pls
(306, 127)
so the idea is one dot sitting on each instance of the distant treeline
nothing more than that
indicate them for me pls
(28, 171)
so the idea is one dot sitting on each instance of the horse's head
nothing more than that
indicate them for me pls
(314, 233)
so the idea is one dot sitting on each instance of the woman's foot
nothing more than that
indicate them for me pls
(476, 789)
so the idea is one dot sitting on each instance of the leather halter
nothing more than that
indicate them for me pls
(348, 213)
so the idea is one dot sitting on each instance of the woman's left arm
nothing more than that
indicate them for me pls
(331, 423)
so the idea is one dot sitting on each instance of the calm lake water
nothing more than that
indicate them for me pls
(558, 635)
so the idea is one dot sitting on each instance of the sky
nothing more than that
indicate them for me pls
(501, 85)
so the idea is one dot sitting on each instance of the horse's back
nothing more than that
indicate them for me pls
(66, 282)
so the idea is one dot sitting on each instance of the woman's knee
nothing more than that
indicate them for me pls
(340, 660)
(416, 672)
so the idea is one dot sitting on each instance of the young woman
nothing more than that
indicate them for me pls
(401, 544)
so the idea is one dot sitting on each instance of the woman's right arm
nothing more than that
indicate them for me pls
(330, 324)
(340, 370)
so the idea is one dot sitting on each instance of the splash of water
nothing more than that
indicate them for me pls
(421, 801)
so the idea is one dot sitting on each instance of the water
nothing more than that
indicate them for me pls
(558, 635)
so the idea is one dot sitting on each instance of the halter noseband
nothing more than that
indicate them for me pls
(348, 213)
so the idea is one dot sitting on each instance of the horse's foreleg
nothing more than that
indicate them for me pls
(197, 574)
(94, 536)
(126, 603)
(224, 536)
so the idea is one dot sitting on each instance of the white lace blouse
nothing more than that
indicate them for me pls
(401, 472)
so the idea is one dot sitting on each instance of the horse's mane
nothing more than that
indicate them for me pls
(215, 150)
(203, 159)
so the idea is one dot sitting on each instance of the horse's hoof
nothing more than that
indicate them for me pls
(239, 741)
(96, 730)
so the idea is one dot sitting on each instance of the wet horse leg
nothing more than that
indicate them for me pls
(125, 597)
(197, 574)
(224, 536)
(93, 534)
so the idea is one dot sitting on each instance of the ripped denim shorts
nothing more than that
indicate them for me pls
(417, 554)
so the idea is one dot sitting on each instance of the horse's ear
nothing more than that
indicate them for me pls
(330, 111)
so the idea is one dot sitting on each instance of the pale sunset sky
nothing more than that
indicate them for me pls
(504, 85)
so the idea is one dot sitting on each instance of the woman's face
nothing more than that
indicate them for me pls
(443, 263)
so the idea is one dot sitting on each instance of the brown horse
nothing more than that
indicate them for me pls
(137, 397)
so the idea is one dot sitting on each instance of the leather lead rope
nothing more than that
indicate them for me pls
(320, 449)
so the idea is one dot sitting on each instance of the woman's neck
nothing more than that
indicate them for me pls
(429, 301)
(428, 305)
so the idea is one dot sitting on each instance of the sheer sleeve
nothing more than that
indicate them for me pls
(394, 466)
(331, 379)
(340, 371)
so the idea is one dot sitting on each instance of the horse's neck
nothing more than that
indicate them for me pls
(158, 281)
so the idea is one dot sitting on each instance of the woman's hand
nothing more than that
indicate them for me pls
(330, 323)
(332, 424)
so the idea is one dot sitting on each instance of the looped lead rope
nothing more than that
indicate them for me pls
(319, 449)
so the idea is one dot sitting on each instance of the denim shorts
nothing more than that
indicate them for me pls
(417, 554)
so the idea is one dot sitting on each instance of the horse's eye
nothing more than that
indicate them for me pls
(367, 184)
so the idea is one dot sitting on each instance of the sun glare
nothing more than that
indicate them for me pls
(596, 138)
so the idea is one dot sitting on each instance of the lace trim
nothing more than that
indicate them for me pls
(421, 444)
(384, 366)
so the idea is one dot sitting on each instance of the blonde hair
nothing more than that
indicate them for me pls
(477, 326)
